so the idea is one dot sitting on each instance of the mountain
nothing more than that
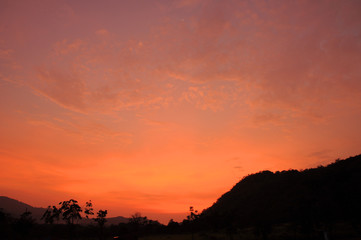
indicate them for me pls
(15, 208)
(312, 197)
(117, 220)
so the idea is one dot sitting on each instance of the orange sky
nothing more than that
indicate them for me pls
(154, 106)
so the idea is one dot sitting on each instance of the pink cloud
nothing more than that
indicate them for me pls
(65, 89)
(283, 63)
(102, 32)
(65, 48)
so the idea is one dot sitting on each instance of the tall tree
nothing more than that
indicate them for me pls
(70, 211)
(101, 220)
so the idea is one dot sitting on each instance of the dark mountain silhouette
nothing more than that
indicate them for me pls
(313, 198)
(116, 220)
(110, 221)
(15, 208)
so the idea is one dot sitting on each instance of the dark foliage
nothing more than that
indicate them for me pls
(313, 200)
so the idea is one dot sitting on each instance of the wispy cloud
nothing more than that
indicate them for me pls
(283, 63)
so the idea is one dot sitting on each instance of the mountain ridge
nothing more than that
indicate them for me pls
(312, 196)
(15, 208)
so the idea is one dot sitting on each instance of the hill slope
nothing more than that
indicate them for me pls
(318, 196)
(15, 208)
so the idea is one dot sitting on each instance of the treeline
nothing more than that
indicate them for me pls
(69, 212)
(63, 223)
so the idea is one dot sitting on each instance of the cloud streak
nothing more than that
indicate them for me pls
(282, 60)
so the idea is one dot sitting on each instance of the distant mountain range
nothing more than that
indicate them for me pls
(15, 208)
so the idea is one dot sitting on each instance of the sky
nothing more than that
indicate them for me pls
(155, 106)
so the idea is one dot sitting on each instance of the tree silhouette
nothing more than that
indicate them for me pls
(101, 220)
(137, 222)
(172, 226)
(51, 213)
(101, 217)
(25, 223)
(193, 215)
(88, 209)
(137, 219)
(5, 224)
(48, 216)
(70, 211)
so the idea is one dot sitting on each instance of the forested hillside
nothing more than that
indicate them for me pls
(312, 199)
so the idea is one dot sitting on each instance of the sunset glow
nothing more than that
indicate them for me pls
(155, 106)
